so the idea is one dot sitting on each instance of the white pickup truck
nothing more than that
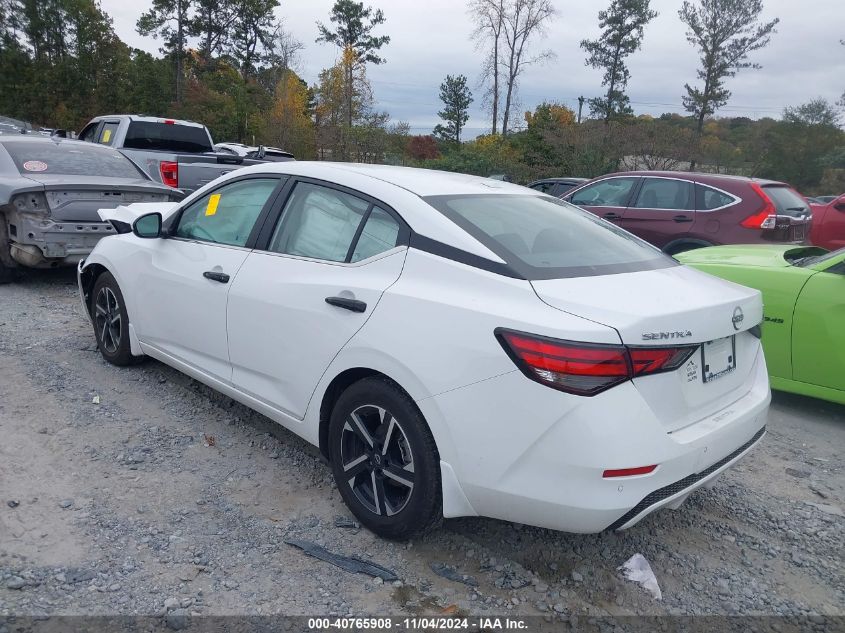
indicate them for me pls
(174, 152)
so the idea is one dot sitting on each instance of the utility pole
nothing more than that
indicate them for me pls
(580, 106)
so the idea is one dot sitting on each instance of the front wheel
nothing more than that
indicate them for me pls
(111, 323)
(384, 459)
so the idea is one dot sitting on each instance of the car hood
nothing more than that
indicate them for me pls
(676, 305)
(758, 255)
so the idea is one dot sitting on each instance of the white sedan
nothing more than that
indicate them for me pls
(456, 346)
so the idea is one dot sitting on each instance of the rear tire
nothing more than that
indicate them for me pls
(384, 459)
(111, 322)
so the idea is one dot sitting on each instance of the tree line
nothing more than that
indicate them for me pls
(232, 65)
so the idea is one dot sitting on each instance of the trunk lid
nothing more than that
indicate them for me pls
(675, 306)
(80, 200)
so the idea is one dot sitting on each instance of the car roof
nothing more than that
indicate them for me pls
(38, 138)
(146, 118)
(421, 182)
(693, 175)
(570, 180)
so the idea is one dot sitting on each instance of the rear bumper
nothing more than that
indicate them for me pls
(40, 242)
(677, 492)
(530, 454)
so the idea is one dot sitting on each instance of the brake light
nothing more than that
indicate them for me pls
(169, 173)
(765, 219)
(169, 122)
(586, 369)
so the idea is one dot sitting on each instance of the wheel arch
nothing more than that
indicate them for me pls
(676, 246)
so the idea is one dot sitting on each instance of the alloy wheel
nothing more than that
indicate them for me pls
(108, 319)
(377, 461)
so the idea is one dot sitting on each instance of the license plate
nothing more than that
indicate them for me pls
(800, 232)
(718, 358)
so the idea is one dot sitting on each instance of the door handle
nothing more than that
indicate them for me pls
(612, 216)
(223, 278)
(682, 218)
(347, 304)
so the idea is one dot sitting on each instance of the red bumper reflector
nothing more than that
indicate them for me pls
(628, 472)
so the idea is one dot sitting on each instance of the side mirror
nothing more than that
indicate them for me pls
(148, 226)
(839, 206)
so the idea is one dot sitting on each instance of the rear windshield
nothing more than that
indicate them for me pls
(168, 137)
(70, 159)
(787, 201)
(544, 238)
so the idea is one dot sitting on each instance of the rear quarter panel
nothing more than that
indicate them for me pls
(780, 288)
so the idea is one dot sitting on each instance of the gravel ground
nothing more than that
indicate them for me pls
(140, 491)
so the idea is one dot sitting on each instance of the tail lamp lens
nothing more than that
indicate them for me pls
(767, 217)
(169, 173)
(586, 369)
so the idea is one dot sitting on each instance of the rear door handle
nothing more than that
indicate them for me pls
(223, 278)
(682, 218)
(612, 216)
(347, 304)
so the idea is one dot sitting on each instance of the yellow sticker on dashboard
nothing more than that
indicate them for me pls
(106, 136)
(213, 201)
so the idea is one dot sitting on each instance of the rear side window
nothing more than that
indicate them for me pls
(543, 238)
(613, 192)
(70, 159)
(107, 133)
(323, 223)
(168, 137)
(228, 215)
(664, 193)
(707, 198)
(787, 201)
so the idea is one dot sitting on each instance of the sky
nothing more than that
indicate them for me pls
(431, 38)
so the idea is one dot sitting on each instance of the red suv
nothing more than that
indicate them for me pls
(679, 211)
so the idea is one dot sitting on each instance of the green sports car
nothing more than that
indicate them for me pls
(804, 310)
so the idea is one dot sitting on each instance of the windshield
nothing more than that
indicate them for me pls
(544, 238)
(787, 201)
(70, 159)
(817, 259)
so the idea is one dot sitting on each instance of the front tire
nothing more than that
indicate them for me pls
(111, 322)
(384, 460)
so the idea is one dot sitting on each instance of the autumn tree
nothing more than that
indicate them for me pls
(725, 33)
(352, 33)
(622, 27)
(524, 20)
(456, 98)
(289, 123)
(170, 20)
(423, 147)
(489, 19)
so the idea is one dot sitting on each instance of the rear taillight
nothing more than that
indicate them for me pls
(169, 171)
(765, 219)
(586, 369)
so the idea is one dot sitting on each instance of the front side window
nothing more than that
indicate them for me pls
(323, 223)
(544, 238)
(228, 215)
(88, 133)
(664, 193)
(613, 192)
(544, 187)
